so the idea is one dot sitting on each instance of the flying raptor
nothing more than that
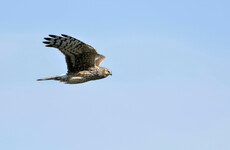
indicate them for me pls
(83, 61)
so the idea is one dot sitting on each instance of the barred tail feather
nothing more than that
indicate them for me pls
(53, 78)
(50, 78)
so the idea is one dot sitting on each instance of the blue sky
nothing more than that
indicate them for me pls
(170, 84)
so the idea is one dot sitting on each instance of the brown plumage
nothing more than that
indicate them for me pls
(82, 60)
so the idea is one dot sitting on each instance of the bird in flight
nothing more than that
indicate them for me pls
(83, 61)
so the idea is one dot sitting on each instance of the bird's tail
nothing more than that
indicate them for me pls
(51, 78)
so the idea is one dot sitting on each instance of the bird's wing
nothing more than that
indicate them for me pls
(79, 56)
(99, 58)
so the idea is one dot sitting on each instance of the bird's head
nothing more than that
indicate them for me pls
(106, 72)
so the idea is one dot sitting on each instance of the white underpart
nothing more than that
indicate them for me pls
(76, 80)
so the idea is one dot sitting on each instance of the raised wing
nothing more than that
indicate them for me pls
(98, 59)
(79, 56)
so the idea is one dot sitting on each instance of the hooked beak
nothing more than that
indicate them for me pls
(110, 72)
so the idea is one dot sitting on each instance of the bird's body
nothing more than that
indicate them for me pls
(82, 60)
(80, 77)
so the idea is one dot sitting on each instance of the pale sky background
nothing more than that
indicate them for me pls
(170, 88)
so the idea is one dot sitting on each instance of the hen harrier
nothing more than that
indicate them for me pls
(82, 60)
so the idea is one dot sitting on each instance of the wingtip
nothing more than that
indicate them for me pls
(53, 36)
(45, 42)
(48, 39)
(64, 35)
(49, 45)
